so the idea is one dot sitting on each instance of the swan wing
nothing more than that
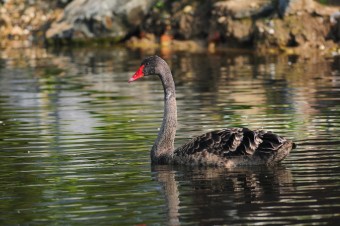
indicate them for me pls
(233, 142)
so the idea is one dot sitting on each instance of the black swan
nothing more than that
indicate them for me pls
(227, 148)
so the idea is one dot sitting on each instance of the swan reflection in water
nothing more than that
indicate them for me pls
(217, 196)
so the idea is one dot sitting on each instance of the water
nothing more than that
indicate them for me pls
(75, 139)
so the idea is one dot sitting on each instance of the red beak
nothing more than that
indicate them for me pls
(139, 73)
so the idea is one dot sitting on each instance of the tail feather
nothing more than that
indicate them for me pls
(281, 153)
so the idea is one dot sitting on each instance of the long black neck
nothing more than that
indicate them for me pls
(163, 147)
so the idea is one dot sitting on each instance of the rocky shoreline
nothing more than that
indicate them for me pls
(288, 26)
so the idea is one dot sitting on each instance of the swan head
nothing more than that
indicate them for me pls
(152, 65)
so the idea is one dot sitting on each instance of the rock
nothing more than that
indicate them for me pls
(101, 19)
(146, 41)
(239, 9)
(23, 21)
(188, 19)
(234, 19)
(279, 24)
(290, 7)
(335, 31)
(291, 26)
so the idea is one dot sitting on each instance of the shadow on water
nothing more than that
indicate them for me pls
(219, 196)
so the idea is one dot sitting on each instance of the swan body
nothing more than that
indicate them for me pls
(224, 148)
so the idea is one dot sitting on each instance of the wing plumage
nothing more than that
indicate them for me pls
(233, 143)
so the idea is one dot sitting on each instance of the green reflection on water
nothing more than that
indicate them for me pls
(75, 138)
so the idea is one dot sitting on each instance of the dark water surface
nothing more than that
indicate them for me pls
(75, 139)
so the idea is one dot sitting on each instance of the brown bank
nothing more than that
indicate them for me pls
(294, 27)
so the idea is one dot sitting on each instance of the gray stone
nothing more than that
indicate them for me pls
(289, 7)
(106, 18)
(239, 9)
